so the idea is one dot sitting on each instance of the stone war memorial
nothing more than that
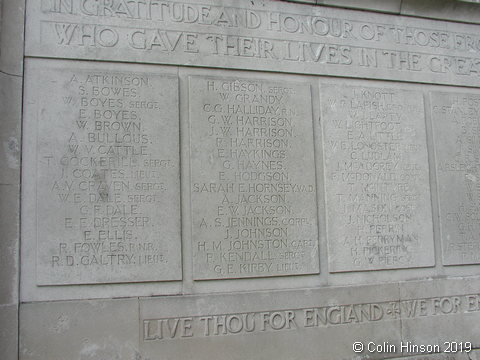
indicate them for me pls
(239, 179)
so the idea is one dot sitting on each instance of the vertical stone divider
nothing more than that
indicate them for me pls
(185, 198)
(434, 195)
(11, 75)
(318, 145)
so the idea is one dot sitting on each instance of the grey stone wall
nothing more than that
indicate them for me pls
(239, 179)
(11, 76)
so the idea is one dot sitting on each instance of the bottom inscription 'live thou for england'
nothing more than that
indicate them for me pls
(241, 323)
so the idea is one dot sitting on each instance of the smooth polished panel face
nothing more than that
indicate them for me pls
(377, 179)
(456, 127)
(253, 178)
(107, 182)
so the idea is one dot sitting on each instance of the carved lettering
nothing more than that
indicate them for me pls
(321, 316)
(455, 119)
(258, 38)
(377, 179)
(253, 187)
(107, 169)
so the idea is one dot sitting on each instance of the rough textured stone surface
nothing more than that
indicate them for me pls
(88, 330)
(253, 178)
(451, 307)
(11, 69)
(9, 331)
(452, 10)
(390, 6)
(377, 182)
(10, 125)
(264, 35)
(9, 244)
(11, 36)
(458, 174)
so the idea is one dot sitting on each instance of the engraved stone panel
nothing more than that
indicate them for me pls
(456, 129)
(253, 178)
(312, 324)
(267, 35)
(377, 179)
(107, 180)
